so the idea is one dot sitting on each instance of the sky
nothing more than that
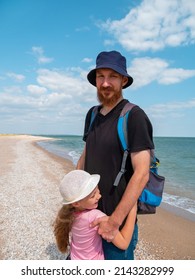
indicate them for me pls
(47, 48)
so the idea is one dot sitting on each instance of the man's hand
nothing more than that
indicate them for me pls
(107, 227)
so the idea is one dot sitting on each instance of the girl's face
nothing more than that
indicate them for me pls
(91, 201)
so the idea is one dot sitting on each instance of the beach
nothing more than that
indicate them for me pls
(30, 199)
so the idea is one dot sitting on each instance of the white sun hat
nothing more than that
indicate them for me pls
(76, 185)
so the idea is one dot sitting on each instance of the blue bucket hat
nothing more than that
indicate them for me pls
(112, 60)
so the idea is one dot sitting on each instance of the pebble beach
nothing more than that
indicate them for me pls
(29, 201)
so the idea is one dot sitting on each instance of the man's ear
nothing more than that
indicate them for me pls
(125, 80)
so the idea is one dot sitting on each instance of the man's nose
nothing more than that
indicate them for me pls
(106, 82)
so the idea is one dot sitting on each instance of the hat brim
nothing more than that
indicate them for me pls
(92, 74)
(91, 185)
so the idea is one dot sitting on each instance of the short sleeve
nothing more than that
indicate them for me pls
(139, 131)
(95, 214)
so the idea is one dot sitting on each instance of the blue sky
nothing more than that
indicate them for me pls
(48, 46)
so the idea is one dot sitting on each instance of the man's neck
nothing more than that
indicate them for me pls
(107, 108)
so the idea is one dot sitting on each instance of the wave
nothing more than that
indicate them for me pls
(180, 202)
(75, 156)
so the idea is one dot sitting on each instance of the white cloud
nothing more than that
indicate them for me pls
(34, 89)
(58, 97)
(16, 102)
(61, 94)
(51, 102)
(155, 24)
(38, 52)
(173, 109)
(109, 42)
(62, 82)
(16, 77)
(146, 70)
(13, 90)
(87, 60)
(172, 76)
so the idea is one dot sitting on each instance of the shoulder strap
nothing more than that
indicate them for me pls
(93, 115)
(122, 134)
(122, 125)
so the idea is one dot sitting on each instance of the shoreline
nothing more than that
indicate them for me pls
(164, 235)
(178, 211)
(171, 208)
(182, 204)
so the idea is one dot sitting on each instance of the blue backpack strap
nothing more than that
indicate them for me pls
(93, 115)
(122, 125)
(122, 134)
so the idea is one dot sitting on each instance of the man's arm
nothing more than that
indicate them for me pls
(140, 163)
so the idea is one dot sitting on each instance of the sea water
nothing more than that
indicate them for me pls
(177, 164)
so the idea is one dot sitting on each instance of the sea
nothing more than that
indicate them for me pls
(177, 165)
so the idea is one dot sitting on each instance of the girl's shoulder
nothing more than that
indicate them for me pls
(95, 214)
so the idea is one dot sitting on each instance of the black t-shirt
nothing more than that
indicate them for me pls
(104, 152)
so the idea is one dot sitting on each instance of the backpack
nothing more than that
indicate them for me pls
(151, 195)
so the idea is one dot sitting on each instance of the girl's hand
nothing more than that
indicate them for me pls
(107, 227)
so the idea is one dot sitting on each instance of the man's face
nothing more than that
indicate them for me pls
(109, 86)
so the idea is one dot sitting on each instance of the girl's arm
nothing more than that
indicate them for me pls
(81, 161)
(123, 237)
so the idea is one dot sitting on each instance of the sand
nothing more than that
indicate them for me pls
(29, 179)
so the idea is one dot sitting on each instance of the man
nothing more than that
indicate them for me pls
(103, 154)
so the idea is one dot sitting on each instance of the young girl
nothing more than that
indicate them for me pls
(72, 225)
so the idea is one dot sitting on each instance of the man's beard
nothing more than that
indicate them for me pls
(109, 101)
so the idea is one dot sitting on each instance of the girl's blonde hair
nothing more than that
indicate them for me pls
(62, 227)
